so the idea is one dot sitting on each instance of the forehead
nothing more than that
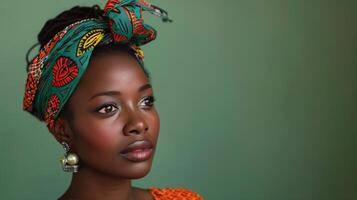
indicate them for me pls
(114, 71)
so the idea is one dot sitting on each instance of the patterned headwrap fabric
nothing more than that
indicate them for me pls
(54, 73)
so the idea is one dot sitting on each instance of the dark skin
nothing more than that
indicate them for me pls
(102, 126)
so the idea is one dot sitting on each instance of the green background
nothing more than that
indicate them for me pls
(257, 100)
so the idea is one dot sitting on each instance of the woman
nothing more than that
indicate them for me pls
(89, 85)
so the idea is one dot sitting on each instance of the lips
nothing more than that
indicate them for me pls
(138, 151)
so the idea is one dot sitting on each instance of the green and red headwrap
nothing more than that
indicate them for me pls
(54, 73)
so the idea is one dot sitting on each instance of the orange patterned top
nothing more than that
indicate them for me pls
(174, 194)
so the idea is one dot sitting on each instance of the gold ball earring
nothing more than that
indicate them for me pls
(70, 160)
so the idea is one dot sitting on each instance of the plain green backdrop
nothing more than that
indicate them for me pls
(257, 100)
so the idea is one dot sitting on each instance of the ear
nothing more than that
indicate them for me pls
(62, 131)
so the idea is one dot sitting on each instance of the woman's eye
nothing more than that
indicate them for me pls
(107, 109)
(148, 101)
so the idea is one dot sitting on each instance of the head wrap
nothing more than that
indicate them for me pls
(54, 73)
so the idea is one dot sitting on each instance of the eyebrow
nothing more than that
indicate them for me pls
(113, 92)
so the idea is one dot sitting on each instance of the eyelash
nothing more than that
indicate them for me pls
(151, 100)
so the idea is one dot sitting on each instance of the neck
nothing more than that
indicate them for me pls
(89, 184)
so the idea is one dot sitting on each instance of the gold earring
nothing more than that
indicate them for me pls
(70, 160)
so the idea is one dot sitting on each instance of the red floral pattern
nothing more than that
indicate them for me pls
(31, 88)
(36, 65)
(64, 71)
(116, 37)
(110, 5)
(52, 109)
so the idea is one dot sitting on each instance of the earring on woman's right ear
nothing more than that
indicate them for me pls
(69, 160)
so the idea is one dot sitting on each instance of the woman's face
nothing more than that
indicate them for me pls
(112, 108)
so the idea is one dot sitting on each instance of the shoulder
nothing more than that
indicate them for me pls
(174, 193)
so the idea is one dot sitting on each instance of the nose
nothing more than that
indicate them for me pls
(136, 124)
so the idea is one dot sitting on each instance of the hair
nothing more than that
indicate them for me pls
(71, 16)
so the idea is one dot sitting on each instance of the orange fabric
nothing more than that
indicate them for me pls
(174, 194)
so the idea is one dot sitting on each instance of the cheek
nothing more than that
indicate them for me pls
(154, 123)
(97, 136)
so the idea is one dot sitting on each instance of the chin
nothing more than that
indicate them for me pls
(134, 170)
(140, 170)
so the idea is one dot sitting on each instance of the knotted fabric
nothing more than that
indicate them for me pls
(54, 73)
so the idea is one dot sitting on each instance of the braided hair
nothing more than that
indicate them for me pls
(66, 18)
